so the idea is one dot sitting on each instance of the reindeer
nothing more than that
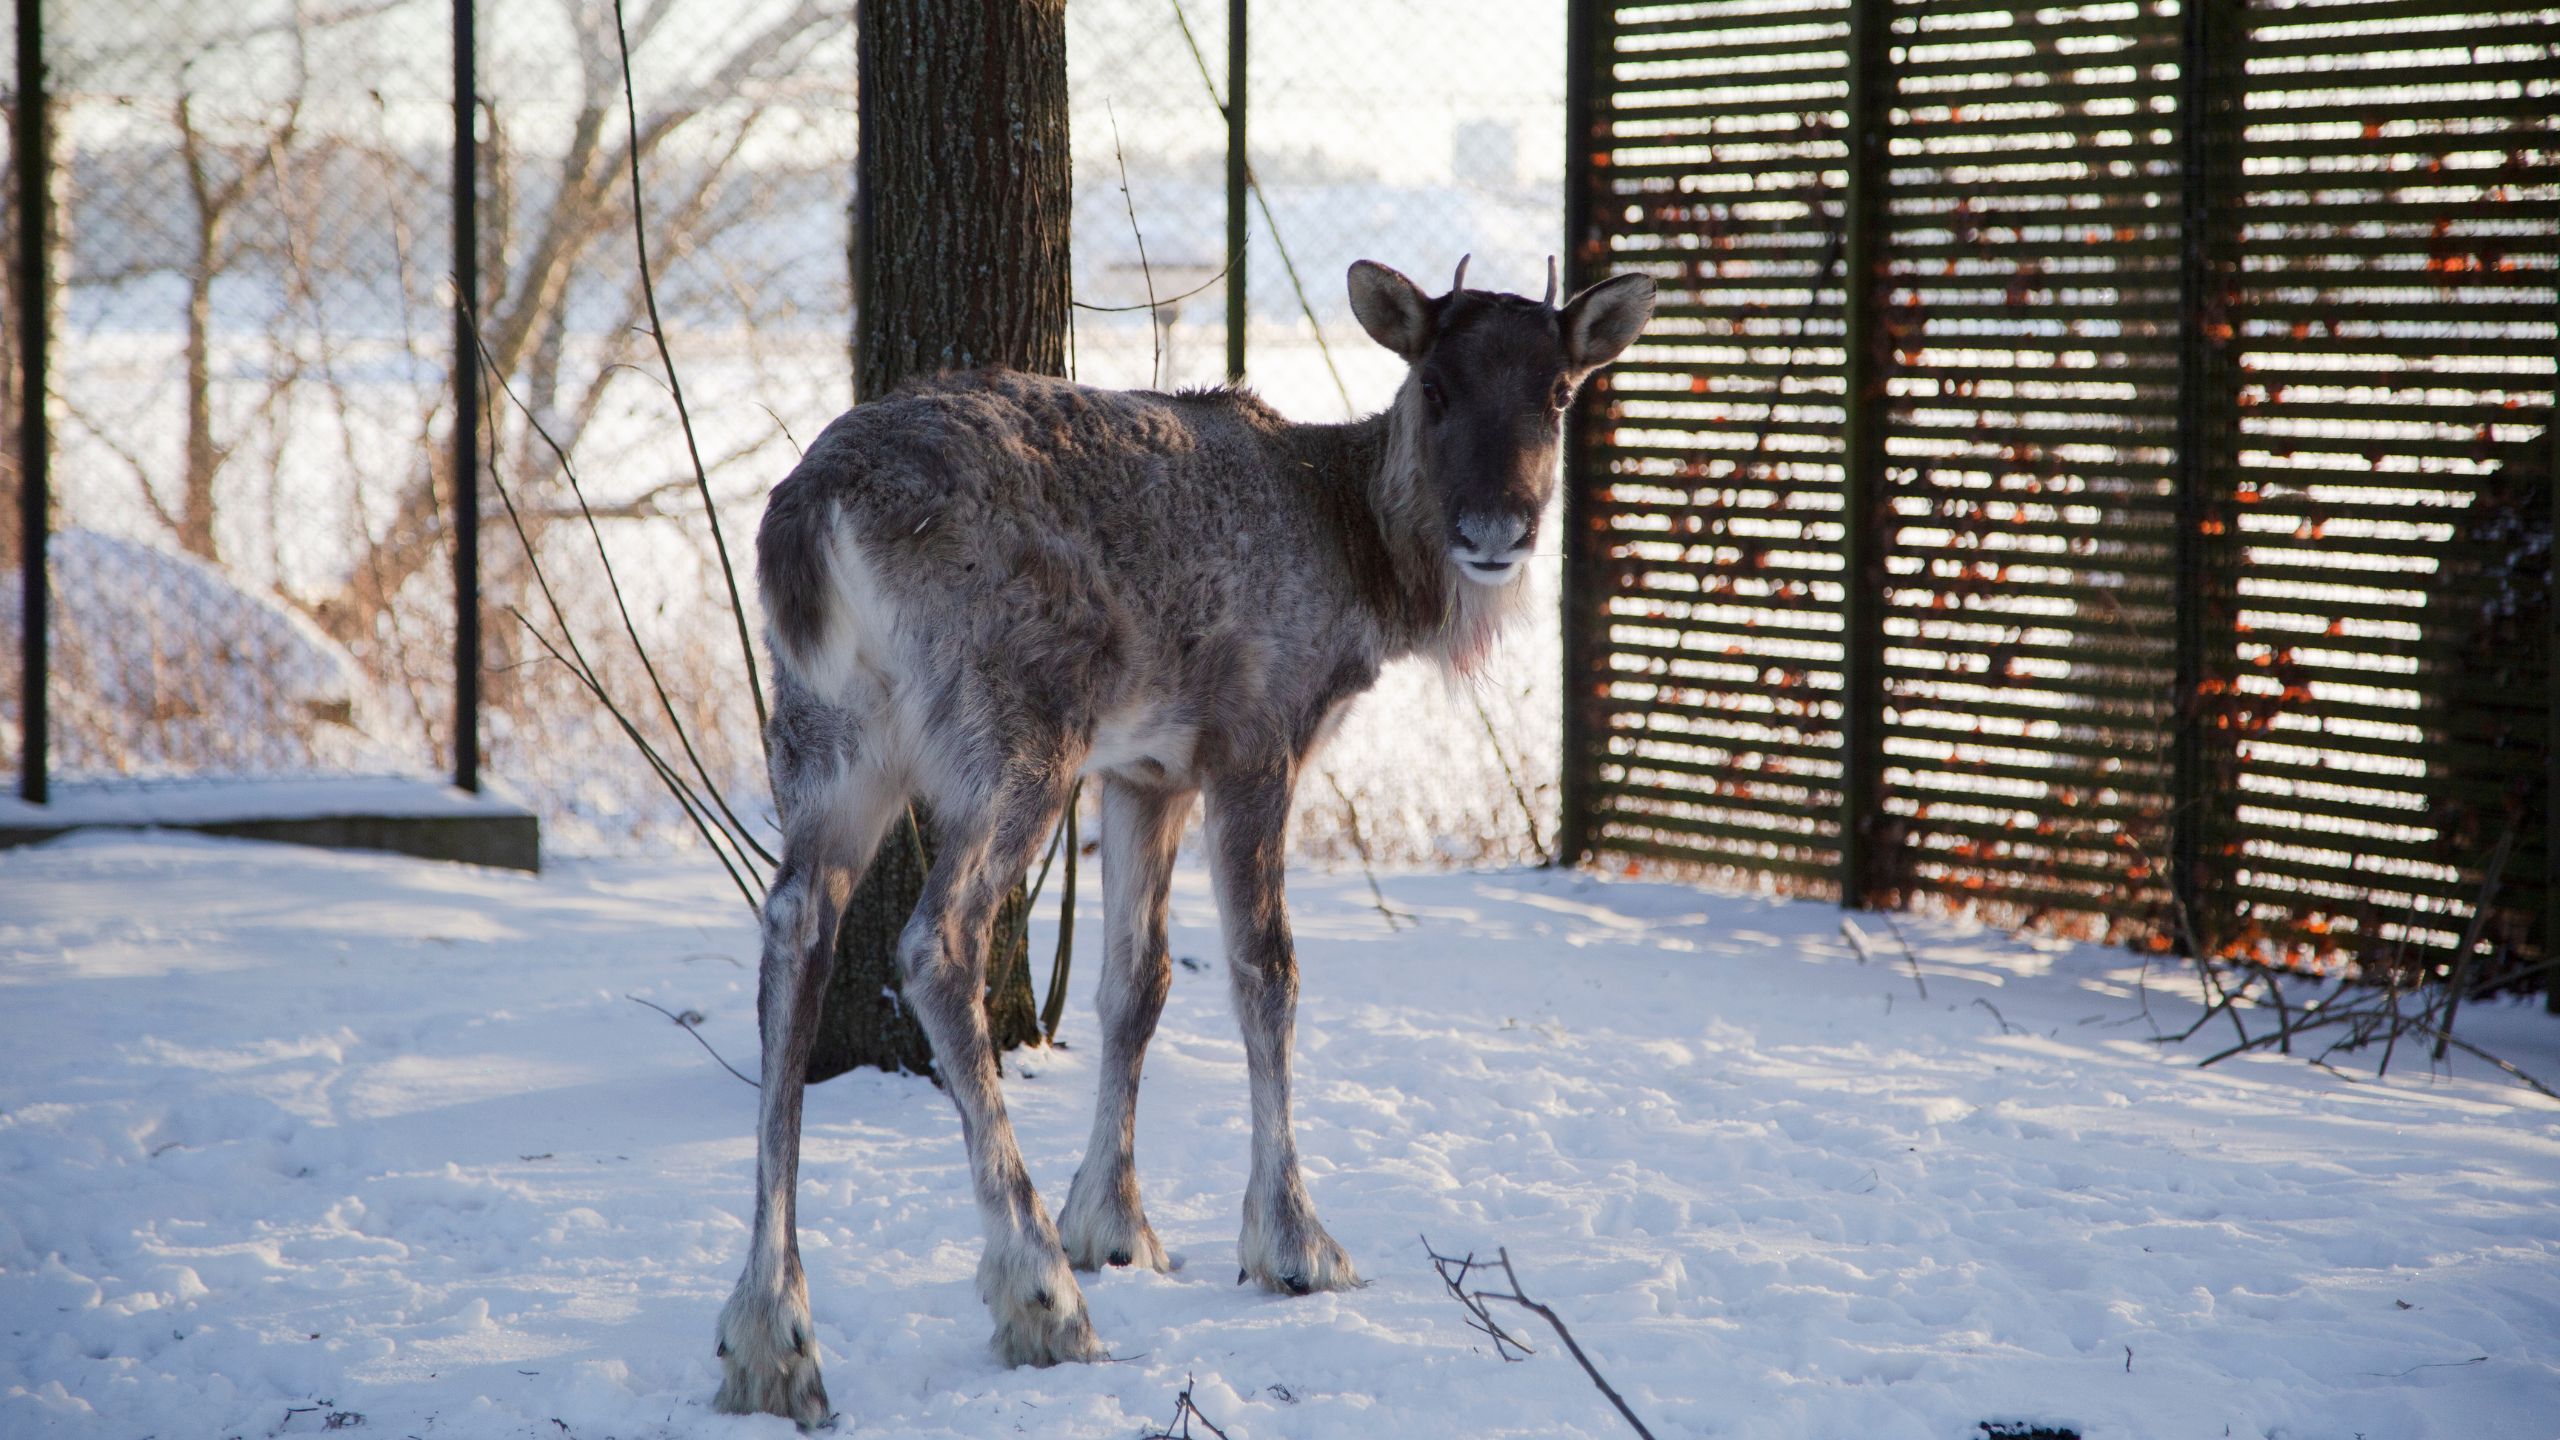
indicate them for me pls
(989, 583)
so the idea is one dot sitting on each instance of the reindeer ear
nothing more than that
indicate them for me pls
(1391, 308)
(1605, 319)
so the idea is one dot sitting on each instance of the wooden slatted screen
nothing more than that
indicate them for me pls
(2032, 327)
(1714, 508)
(2385, 508)
(2212, 370)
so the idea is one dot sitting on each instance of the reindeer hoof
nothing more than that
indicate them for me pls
(1039, 1313)
(769, 1360)
(1102, 1225)
(1289, 1253)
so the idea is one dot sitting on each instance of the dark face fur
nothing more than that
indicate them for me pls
(1492, 376)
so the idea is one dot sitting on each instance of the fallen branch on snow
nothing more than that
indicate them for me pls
(2386, 1014)
(686, 1022)
(1184, 1412)
(1454, 1271)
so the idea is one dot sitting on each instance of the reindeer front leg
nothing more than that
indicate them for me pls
(1283, 1246)
(1103, 1222)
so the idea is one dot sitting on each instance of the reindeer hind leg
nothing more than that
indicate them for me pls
(1022, 1274)
(836, 806)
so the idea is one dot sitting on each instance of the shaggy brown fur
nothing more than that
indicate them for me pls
(988, 583)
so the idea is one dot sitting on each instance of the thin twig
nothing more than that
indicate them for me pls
(1857, 939)
(2377, 1014)
(1263, 202)
(1833, 254)
(2493, 875)
(675, 784)
(1155, 332)
(613, 584)
(1057, 838)
(2429, 1365)
(2475, 1051)
(2275, 995)
(785, 427)
(1360, 847)
(1184, 1412)
(1907, 952)
(2391, 1046)
(2208, 979)
(1517, 1296)
(576, 663)
(1528, 816)
(687, 1027)
(1153, 304)
(1479, 1318)
(2368, 1020)
(2310, 1021)
(1054, 1009)
(684, 414)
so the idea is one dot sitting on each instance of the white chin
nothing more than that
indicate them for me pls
(1488, 575)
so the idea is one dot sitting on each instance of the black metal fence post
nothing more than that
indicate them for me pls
(1863, 517)
(35, 321)
(1579, 760)
(1239, 177)
(2205, 84)
(466, 403)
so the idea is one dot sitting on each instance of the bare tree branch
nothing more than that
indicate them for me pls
(1360, 847)
(1528, 815)
(739, 834)
(658, 331)
(576, 663)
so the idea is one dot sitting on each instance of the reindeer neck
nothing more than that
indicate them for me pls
(1370, 486)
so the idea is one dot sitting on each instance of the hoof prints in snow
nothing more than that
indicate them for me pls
(266, 1114)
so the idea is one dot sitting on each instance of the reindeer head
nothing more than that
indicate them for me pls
(1492, 376)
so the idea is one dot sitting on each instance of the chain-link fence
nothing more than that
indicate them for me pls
(744, 127)
(251, 377)
(252, 370)
(250, 223)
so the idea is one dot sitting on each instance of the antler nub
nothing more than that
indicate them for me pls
(1461, 282)
(1551, 281)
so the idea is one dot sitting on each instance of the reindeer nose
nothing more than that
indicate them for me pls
(1494, 536)
(1491, 549)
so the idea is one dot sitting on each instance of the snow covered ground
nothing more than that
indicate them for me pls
(288, 1136)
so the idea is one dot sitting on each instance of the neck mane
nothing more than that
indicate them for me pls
(1392, 534)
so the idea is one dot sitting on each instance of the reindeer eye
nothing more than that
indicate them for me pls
(1562, 395)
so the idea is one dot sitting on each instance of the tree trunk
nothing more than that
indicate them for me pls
(960, 259)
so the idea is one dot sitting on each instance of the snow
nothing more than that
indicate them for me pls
(163, 661)
(291, 1134)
